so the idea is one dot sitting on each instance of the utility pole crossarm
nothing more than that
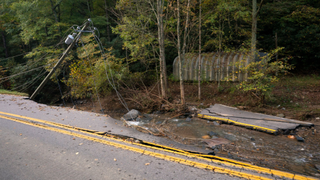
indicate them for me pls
(57, 64)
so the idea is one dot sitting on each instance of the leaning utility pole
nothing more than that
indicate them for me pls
(58, 63)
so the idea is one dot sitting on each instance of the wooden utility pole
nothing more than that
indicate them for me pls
(58, 63)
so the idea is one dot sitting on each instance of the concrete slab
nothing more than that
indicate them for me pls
(262, 122)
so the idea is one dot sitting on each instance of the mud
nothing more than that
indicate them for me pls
(273, 151)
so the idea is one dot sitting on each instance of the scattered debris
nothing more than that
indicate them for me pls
(216, 123)
(257, 121)
(133, 123)
(206, 137)
(212, 134)
(217, 141)
(300, 139)
(280, 115)
(242, 107)
(291, 136)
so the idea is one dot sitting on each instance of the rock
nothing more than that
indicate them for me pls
(188, 119)
(211, 133)
(192, 108)
(317, 166)
(280, 115)
(157, 112)
(300, 139)
(206, 137)
(146, 117)
(216, 123)
(252, 139)
(180, 124)
(131, 115)
(317, 118)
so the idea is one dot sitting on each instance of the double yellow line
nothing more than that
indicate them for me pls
(229, 121)
(215, 159)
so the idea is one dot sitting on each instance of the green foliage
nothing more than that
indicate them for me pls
(88, 74)
(229, 20)
(297, 25)
(262, 75)
(138, 30)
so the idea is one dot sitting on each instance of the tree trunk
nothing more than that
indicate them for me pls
(179, 56)
(219, 56)
(107, 17)
(199, 68)
(255, 11)
(4, 43)
(163, 69)
(254, 30)
(183, 102)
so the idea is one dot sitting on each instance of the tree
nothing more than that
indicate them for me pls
(199, 68)
(163, 67)
(255, 11)
(179, 56)
(138, 23)
(227, 21)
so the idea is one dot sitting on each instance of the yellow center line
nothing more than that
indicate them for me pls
(225, 161)
(145, 152)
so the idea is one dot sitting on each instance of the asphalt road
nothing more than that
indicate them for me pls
(29, 152)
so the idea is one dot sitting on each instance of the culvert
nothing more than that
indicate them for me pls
(214, 66)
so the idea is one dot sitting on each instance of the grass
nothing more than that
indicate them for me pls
(3, 91)
(300, 81)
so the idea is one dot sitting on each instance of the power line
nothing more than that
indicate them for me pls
(123, 102)
(32, 82)
(94, 81)
(3, 59)
(9, 77)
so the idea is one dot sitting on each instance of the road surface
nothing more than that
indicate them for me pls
(45, 142)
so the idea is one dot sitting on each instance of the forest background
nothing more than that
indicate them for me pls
(142, 38)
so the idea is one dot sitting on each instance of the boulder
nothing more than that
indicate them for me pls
(132, 115)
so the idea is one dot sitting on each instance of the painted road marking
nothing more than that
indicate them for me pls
(142, 151)
(225, 161)
(229, 121)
